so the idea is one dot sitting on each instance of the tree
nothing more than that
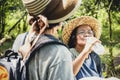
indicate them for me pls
(12, 17)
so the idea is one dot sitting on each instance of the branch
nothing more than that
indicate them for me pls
(110, 5)
(4, 39)
(16, 23)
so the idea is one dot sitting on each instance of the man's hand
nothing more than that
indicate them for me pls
(40, 22)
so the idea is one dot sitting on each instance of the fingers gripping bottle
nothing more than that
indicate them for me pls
(98, 48)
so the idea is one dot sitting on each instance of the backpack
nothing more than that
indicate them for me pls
(11, 62)
(14, 64)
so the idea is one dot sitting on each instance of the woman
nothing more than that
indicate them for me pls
(86, 62)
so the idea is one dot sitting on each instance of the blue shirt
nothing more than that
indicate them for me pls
(91, 66)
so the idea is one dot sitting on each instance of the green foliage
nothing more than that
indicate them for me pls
(106, 58)
(11, 19)
(5, 46)
(11, 11)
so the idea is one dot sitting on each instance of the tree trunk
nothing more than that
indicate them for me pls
(111, 70)
(2, 19)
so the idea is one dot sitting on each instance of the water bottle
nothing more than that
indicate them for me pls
(98, 48)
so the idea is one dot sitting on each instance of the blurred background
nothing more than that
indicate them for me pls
(13, 22)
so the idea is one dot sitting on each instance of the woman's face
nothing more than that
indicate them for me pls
(83, 31)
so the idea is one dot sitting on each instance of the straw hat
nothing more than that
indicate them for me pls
(83, 20)
(55, 10)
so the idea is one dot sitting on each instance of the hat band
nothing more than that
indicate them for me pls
(36, 7)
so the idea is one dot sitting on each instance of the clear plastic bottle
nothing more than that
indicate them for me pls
(98, 48)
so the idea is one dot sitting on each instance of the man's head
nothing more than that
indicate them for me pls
(54, 29)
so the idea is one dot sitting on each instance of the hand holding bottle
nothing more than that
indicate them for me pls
(97, 47)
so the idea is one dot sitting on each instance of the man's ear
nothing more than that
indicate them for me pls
(54, 29)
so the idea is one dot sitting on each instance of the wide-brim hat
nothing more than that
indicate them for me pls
(55, 10)
(83, 20)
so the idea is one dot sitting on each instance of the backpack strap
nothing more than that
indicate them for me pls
(29, 47)
(24, 38)
(43, 40)
(9, 54)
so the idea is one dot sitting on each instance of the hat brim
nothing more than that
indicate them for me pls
(83, 20)
(55, 10)
(66, 15)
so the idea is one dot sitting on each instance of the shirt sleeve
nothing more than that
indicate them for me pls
(18, 42)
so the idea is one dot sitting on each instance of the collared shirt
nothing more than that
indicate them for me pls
(50, 62)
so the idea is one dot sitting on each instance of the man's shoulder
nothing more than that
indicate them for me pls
(55, 47)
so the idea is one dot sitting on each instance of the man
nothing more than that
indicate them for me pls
(50, 62)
